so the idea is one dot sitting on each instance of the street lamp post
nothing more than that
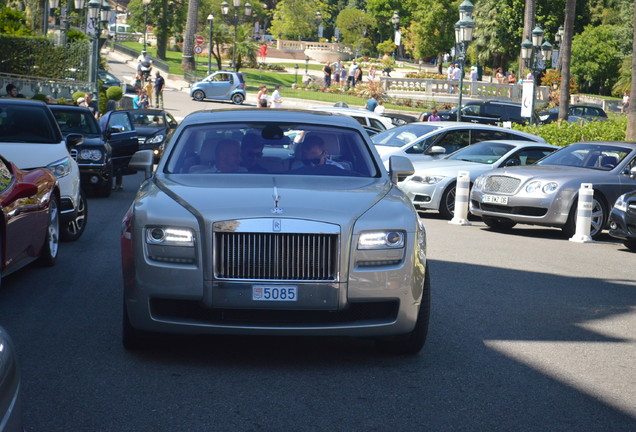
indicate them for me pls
(146, 3)
(535, 55)
(306, 65)
(210, 20)
(558, 37)
(93, 16)
(225, 10)
(296, 70)
(395, 19)
(318, 21)
(463, 37)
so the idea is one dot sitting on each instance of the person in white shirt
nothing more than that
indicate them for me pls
(276, 100)
(379, 109)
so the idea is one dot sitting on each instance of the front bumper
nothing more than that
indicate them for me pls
(622, 225)
(95, 175)
(424, 196)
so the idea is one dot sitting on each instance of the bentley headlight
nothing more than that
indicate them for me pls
(533, 186)
(621, 204)
(381, 240)
(479, 182)
(549, 188)
(60, 168)
(157, 139)
(166, 236)
(426, 179)
(91, 154)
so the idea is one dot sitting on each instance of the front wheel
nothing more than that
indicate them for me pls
(447, 203)
(237, 98)
(198, 95)
(413, 342)
(630, 244)
(52, 239)
(74, 228)
(599, 218)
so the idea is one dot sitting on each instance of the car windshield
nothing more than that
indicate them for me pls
(271, 148)
(76, 121)
(26, 124)
(402, 135)
(593, 156)
(483, 152)
(147, 119)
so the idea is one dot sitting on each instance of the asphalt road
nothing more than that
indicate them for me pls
(529, 332)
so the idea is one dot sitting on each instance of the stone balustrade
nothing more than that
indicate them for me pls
(441, 87)
(57, 88)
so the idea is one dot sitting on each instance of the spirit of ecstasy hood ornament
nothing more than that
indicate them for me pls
(277, 197)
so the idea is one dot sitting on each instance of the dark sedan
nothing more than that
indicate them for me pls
(153, 127)
(623, 218)
(575, 113)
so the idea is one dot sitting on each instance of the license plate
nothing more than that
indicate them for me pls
(274, 293)
(494, 199)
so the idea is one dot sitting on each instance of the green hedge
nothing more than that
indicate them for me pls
(564, 133)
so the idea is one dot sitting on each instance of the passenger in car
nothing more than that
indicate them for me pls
(252, 153)
(314, 153)
(227, 157)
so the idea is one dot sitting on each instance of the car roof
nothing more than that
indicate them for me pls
(67, 108)
(348, 111)
(277, 115)
(631, 144)
(20, 101)
(519, 143)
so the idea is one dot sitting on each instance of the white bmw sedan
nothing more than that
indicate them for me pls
(274, 222)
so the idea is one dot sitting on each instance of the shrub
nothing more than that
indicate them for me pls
(563, 133)
(115, 93)
(78, 94)
(39, 96)
(62, 101)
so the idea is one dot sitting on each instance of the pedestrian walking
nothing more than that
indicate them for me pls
(379, 109)
(343, 75)
(372, 103)
(434, 116)
(262, 98)
(625, 106)
(160, 83)
(148, 89)
(277, 101)
(351, 76)
(372, 73)
(327, 74)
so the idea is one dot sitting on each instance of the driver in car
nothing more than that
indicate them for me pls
(314, 153)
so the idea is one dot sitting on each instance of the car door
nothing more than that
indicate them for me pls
(220, 85)
(628, 184)
(120, 133)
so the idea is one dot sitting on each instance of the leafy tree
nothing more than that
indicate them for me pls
(354, 25)
(596, 57)
(166, 16)
(13, 22)
(246, 47)
(624, 82)
(295, 19)
(432, 30)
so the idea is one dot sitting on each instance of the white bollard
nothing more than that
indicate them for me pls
(462, 191)
(584, 214)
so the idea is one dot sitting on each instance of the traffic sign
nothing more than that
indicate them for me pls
(199, 40)
(198, 49)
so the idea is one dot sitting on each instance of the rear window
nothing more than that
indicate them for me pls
(28, 124)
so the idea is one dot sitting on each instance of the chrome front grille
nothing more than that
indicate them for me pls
(276, 256)
(501, 184)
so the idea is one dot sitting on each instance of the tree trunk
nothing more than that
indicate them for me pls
(631, 112)
(528, 24)
(162, 31)
(187, 63)
(565, 57)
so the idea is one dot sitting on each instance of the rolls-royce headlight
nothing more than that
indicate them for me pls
(167, 236)
(621, 204)
(426, 179)
(381, 240)
(91, 154)
(60, 168)
(549, 188)
(157, 139)
(533, 186)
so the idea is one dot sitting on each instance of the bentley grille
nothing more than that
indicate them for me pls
(501, 184)
(277, 256)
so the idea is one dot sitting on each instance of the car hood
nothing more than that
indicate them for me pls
(147, 131)
(449, 168)
(385, 151)
(29, 155)
(338, 200)
(545, 172)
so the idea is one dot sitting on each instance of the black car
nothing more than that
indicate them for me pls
(575, 113)
(153, 127)
(108, 79)
(104, 153)
(486, 112)
(399, 119)
(623, 218)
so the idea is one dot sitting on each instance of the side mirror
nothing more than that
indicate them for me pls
(400, 167)
(172, 125)
(73, 140)
(512, 162)
(435, 150)
(632, 173)
(116, 129)
(142, 161)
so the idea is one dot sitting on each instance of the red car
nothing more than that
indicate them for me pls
(29, 228)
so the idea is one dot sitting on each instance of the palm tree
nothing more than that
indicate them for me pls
(246, 47)
(631, 112)
(187, 62)
(565, 57)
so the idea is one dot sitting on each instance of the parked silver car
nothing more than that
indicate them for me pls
(10, 384)
(432, 140)
(432, 187)
(547, 193)
(274, 222)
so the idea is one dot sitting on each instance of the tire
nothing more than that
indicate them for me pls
(630, 244)
(50, 249)
(413, 342)
(599, 218)
(447, 203)
(198, 95)
(74, 229)
(237, 98)
(497, 224)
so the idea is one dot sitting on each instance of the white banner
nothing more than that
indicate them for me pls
(526, 99)
(398, 38)
(320, 30)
